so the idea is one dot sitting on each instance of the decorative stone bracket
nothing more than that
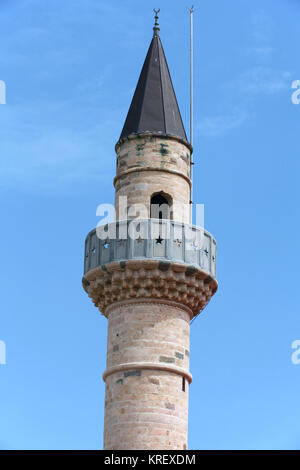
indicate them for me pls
(150, 279)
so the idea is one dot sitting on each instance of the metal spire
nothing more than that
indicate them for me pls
(154, 108)
(156, 28)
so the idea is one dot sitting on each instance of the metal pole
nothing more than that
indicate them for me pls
(191, 108)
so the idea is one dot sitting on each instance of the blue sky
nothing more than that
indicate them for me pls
(70, 70)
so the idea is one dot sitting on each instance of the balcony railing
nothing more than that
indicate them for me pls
(163, 240)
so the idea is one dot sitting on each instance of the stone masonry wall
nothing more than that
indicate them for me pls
(147, 407)
(149, 165)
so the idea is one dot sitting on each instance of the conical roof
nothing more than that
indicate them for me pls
(154, 108)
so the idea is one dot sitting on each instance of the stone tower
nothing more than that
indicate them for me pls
(152, 275)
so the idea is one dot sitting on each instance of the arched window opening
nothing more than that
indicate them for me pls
(160, 206)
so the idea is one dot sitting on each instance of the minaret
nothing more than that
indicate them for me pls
(151, 282)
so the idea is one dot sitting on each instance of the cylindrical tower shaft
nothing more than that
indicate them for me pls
(150, 166)
(147, 376)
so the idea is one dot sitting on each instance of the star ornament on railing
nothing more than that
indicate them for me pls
(177, 242)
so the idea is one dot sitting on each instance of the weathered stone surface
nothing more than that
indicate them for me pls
(148, 165)
(146, 408)
(144, 279)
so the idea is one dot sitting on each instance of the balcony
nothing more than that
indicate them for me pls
(163, 240)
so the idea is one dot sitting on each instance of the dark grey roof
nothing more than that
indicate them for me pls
(154, 106)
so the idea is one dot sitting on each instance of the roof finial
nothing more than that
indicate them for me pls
(156, 28)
